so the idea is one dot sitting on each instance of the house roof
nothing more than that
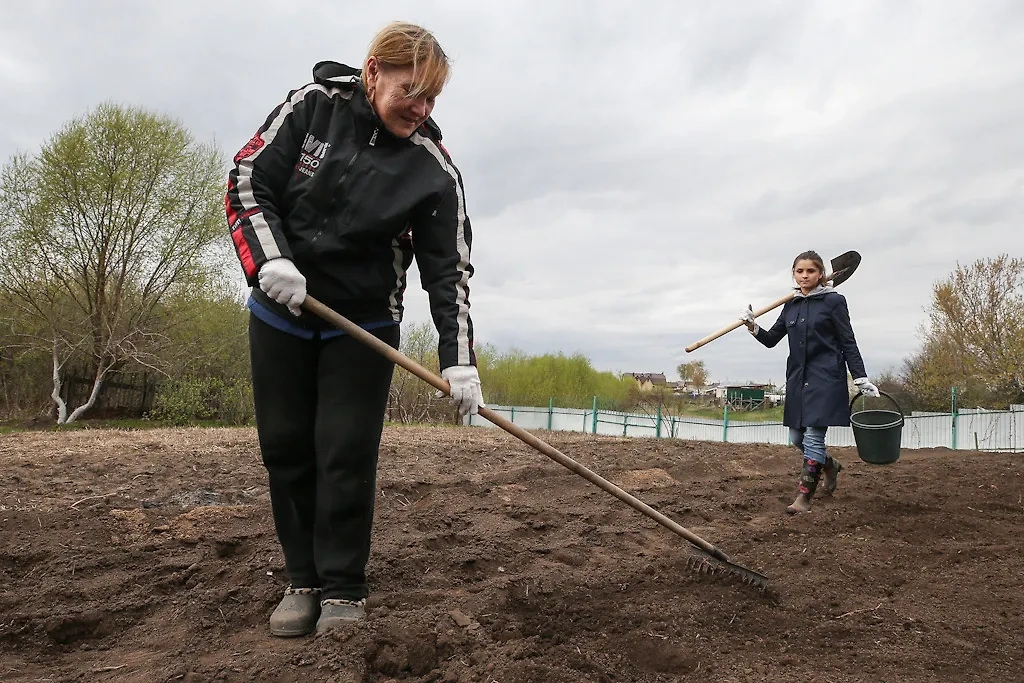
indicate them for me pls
(652, 377)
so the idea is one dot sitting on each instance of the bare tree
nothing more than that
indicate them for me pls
(119, 209)
(411, 400)
(694, 372)
(974, 338)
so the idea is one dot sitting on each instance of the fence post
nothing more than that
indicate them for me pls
(513, 418)
(657, 428)
(725, 423)
(953, 410)
(594, 430)
(673, 426)
(143, 395)
(551, 411)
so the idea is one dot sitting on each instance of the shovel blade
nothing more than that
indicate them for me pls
(843, 267)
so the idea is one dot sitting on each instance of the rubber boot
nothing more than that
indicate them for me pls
(336, 613)
(809, 476)
(297, 613)
(831, 471)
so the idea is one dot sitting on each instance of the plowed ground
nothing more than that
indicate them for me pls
(151, 556)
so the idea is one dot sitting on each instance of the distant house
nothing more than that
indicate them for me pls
(712, 390)
(648, 381)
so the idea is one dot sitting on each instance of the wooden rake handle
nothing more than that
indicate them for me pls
(399, 358)
(739, 323)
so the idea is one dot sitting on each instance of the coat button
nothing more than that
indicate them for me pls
(807, 384)
(801, 319)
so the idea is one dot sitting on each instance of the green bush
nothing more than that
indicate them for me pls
(203, 399)
(516, 378)
(236, 405)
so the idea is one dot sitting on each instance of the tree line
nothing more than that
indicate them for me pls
(115, 261)
(972, 339)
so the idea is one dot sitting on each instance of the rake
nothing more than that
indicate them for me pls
(708, 561)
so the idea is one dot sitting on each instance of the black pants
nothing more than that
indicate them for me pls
(319, 415)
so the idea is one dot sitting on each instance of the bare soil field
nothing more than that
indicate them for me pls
(150, 556)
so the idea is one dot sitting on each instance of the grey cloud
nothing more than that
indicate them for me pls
(988, 211)
(733, 39)
(840, 193)
(634, 176)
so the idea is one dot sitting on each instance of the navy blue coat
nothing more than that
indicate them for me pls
(821, 346)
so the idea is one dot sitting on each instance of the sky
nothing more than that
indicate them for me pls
(635, 173)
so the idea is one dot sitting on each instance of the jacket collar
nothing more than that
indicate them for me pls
(820, 290)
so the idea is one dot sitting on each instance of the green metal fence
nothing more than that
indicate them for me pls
(990, 430)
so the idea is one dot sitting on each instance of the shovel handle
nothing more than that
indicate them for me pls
(739, 323)
(837, 276)
(400, 359)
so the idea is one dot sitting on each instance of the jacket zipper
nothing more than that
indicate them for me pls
(344, 174)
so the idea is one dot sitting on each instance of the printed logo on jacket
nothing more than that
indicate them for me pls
(313, 152)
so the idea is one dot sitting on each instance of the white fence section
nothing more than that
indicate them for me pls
(1001, 430)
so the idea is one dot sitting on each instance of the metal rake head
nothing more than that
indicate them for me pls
(709, 566)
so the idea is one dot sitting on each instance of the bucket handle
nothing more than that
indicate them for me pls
(882, 393)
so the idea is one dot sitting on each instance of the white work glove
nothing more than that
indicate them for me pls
(465, 383)
(866, 387)
(749, 321)
(283, 283)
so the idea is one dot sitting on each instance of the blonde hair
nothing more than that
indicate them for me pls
(402, 44)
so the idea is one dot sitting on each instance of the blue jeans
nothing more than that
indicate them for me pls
(811, 440)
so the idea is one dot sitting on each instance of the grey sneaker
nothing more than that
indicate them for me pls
(335, 613)
(297, 613)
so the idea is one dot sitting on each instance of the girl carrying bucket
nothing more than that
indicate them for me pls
(821, 346)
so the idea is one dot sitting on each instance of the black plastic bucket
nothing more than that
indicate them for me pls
(878, 433)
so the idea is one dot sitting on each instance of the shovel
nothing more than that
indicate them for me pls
(710, 561)
(842, 268)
